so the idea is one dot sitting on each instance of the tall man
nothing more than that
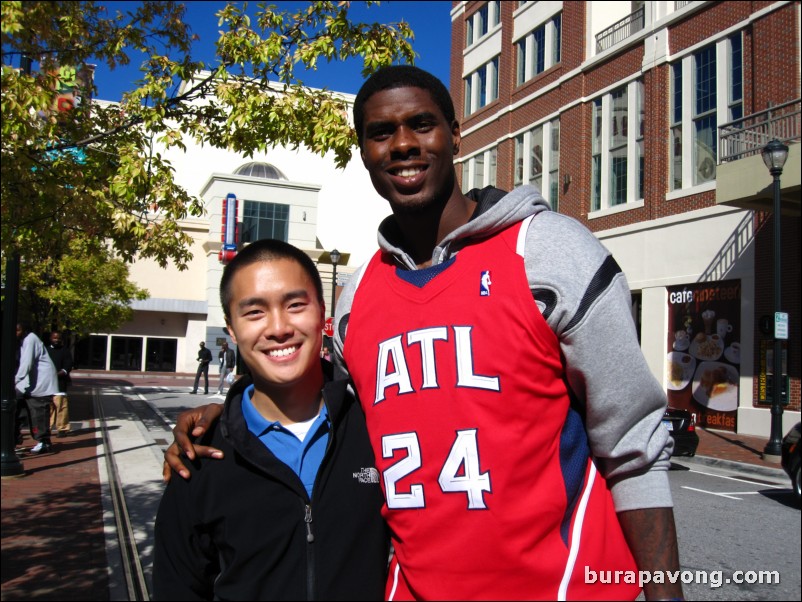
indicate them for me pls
(516, 425)
(204, 359)
(62, 360)
(36, 383)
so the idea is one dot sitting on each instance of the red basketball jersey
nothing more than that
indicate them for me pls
(489, 486)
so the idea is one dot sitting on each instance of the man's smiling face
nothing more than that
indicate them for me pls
(408, 148)
(277, 322)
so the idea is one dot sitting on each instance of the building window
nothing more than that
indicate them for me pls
(536, 157)
(596, 149)
(481, 87)
(126, 353)
(160, 354)
(736, 100)
(539, 50)
(554, 166)
(556, 39)
(90, 352)
(480, 170)
(481, 22)
(639, 158)
(617, 147)
(676, 126)
(265, 220)
(536, 166)
(704, 115)
(711, 79)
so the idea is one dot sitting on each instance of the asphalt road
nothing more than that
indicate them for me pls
(736, 526)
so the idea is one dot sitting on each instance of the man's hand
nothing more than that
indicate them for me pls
(194, 423)
(652, 538)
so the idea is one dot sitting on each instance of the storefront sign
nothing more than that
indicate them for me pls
(765, 389)
(703, 361)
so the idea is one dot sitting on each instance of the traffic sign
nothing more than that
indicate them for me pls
(780, 325)
(328, 329)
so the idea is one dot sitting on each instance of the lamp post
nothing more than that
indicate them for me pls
(335, 259)
(775, 154)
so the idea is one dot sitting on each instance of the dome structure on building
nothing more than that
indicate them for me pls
(260, 169)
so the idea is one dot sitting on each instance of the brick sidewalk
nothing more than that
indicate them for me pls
(53, 545)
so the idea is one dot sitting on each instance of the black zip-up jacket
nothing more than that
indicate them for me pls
(244, 528)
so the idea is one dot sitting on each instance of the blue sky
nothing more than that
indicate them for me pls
(430, 21)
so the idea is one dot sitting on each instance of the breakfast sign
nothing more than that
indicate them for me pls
(703, 355)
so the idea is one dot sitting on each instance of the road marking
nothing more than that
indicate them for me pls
(762, 484)
(732, 497)
(158, 412)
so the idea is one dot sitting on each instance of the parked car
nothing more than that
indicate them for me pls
(682, 426)
(792, 458)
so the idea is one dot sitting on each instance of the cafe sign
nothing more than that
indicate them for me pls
(703, 351)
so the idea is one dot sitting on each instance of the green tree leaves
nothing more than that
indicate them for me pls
(97, 172)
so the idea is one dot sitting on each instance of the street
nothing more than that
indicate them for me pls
(729, 521)
(732, 525)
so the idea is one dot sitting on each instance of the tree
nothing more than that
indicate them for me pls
(89, 171)
(84, 289)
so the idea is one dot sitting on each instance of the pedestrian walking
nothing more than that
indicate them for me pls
(227, 360)
(204, 359)
(61, 356)
(36, 382)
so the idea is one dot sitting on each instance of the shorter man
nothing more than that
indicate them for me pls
(62, 360)
(36, 383)
(227, 362)
(292, 511)
(204, 359)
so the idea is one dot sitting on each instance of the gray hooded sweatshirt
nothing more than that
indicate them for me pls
(585, 299)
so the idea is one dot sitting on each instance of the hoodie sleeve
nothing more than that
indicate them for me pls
(26, 360)
(182, 567)
(584, 297)
(341, 317)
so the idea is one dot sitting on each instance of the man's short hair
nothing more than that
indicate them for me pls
(401, 76)
(267, 249)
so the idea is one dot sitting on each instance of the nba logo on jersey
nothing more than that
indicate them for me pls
(484, 284)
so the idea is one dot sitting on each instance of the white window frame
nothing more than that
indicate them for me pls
(475, 99)
(480, 170)
(634, 96)
(522, 167)
(691, 175)
(474, 30)
(525, 50)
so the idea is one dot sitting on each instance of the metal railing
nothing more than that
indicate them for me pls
(622, 30)
(748, 135)
(679, 5)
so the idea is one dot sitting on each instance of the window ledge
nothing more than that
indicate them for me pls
(683, 192)
(617, 209)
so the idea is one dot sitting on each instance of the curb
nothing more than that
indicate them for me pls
(742, 467)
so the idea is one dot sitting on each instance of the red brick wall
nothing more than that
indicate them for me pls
(771, 73)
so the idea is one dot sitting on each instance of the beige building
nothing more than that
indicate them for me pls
(293, 195)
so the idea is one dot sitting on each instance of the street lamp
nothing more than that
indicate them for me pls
(775, 154)
(335, 259)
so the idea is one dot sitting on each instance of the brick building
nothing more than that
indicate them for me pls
(645, 121)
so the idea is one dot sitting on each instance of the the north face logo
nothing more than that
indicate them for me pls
(367, 475)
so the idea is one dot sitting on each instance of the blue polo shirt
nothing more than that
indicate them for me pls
(303, 457)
